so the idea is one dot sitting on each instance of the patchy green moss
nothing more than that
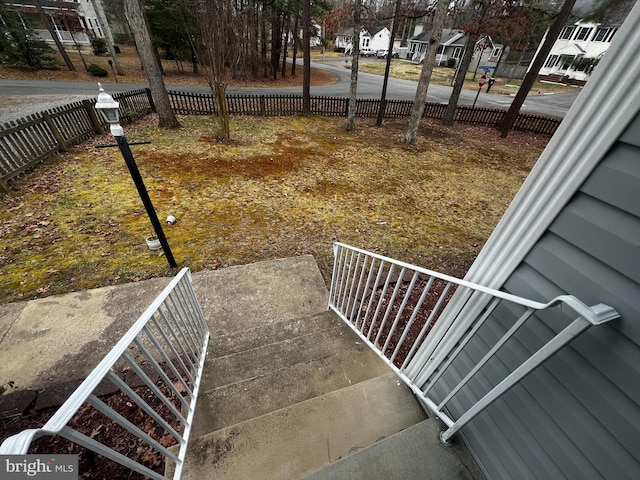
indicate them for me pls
(283, 186)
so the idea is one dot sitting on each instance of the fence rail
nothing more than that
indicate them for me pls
(37, 138)
(166, 349)
(393, 307)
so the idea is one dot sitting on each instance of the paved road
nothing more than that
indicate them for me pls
(369, 86)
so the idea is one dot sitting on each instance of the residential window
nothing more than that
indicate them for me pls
(567, 33)
(457, 53)
(551, 61)
(583, 33)
(495, 53)
(613, 32)
(601, 34)
(440, 50)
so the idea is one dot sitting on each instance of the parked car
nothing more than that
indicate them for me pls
(367, 52)
(384, 53)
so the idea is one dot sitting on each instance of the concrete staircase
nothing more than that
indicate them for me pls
(286, 391)
(290, 391)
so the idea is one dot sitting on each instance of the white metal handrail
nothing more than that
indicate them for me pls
(171, 336)
(393, 306)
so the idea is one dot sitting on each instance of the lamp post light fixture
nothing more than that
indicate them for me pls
(109, 109)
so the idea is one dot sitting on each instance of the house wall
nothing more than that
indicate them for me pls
(577, 416)
(594, 44)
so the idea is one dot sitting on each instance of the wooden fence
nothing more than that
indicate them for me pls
(38, 137)
(185, 103)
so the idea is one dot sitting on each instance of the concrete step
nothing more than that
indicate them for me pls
(414, 453)
(268, 368)
(302, 438)
(238, 298)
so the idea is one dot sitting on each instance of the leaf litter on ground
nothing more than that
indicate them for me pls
(284, 186)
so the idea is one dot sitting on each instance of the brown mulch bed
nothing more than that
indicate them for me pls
(95, 425)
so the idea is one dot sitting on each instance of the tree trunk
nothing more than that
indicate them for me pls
(135, 17)
(276, 44)
(295, 45)
(383, 97)
(287, 25)
(417, 109)
(108, 36)
(47, 23)
(219, 94)
(552, 34)
(458, 83)
(465, 61)
(355, 54)
(306, 53)
(75, 42)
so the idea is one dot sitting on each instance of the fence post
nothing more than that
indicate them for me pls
(56, 133)
(150, 97)
(263, 106)
(93, 117)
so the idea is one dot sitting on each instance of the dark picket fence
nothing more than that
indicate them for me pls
(186, 103)
(37, 138)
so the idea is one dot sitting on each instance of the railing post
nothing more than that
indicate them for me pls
(150, 98)
(56, 133)
(97, 126)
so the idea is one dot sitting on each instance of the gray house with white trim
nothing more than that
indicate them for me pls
(573, 228)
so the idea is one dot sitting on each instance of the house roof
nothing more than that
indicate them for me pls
(449, 37)
(572, 49)
(372, 30)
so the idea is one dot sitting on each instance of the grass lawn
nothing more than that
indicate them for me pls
(444, 76)
(282, 187)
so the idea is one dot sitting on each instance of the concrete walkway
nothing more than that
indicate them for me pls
(61, 338)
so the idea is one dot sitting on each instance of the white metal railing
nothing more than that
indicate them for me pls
(171, 337)
(393, 306)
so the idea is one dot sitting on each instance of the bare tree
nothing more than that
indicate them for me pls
(218, 48)
(552, 34)
(385, 81)
(355, 54)
(480, 9)
(108, 36)
(147, 53)
(417, 109)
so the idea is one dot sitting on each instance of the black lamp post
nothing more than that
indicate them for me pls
(110, 110)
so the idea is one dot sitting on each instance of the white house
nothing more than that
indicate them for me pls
(74, 23)
(577, 50)
(371, 39)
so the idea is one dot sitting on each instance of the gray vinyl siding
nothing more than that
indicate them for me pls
(578, 416)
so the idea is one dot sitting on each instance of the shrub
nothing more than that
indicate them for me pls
(451, 62)
(99, 46)
(97, 71)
